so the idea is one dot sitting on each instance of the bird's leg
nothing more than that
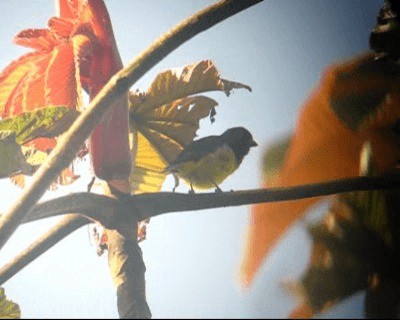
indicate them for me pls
(176, 183)
(217, 188)
(191, 191)
(90, 185)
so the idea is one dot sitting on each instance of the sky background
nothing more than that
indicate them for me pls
(279, 48)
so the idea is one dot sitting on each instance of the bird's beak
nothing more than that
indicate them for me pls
(253, 143)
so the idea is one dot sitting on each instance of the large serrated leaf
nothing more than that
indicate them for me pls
(47, 122)
(178, 83)
(8, 308)
(165, 118)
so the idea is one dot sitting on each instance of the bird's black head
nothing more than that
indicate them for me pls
(240, 140)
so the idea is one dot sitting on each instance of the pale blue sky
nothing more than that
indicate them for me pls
(279, 48)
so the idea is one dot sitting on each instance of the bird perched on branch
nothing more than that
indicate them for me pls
(206, 162)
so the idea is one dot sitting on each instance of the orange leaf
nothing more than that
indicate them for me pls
(322, 148)
(62, 83)
(68, 8)
(14, 78)
(302, 311)
(37, 39)
(61, 26)
(43, 144)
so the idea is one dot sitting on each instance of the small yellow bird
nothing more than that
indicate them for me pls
(206, 162)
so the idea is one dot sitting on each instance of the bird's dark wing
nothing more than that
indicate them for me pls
(198, 149)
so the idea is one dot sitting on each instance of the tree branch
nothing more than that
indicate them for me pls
(65, 227)
(143, 206)
(119, 84)
(139, 207)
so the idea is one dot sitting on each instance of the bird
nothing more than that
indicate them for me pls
(207, 162)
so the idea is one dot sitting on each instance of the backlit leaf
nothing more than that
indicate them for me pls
(274, 157)
(165, 119)
(322, 148)
(17, 78)
(8, 308)
(362, 94)
(148, 165)
(12, 160)
(62, 82)
(46, 122)
(178, 83)
(355, 247)
(37, 39)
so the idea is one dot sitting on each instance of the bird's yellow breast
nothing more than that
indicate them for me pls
(210, 170)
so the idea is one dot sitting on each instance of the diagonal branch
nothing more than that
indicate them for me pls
(62, 229)
(118, 85)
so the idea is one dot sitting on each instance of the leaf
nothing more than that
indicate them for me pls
(35, 158)
(46, 122)
(17, 79)
(8, 309)
(174, 84)
(62, 82)
(50, 75)
(37, 39)
(355, 247)
(362, 93)
(322, 148)
(63, 62)
(12, 160)
(165, 119)
(382, 299)
(274, 157)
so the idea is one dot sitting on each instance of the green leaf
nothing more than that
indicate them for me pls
(33, 156)
(12, 160)
(274, 157)
(46, 122)
(8, 309)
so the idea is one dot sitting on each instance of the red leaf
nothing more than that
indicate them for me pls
(68, 8)
(17, 78)
(37, 39)
(52, 75)
(61, 26)
(61, 85)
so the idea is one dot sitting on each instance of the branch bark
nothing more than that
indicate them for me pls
(118, 85)
(62, 229)
(107, 209)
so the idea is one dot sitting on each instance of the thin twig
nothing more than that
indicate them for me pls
(119, 84)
